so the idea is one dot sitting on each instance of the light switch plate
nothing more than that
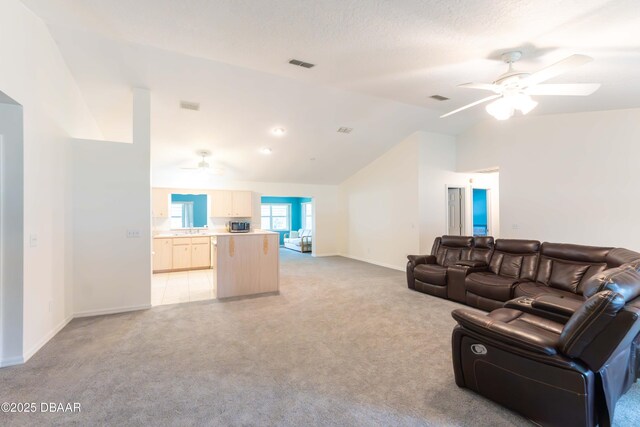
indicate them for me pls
(33, 240)
(133, 233)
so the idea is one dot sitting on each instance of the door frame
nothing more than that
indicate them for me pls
(463, 207)
(489, 213)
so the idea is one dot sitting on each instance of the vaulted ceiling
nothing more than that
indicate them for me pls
(377, 64)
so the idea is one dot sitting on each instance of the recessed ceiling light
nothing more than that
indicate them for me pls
(278, 131)
(265, 150)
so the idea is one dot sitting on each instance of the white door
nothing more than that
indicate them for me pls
(455, 209)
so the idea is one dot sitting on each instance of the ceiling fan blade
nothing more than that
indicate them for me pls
(482, 86)
(577, 89)
(473, 104)
(558, 68)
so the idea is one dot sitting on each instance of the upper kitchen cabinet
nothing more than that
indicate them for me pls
(241, 204)
(160, 202)
(231, 204)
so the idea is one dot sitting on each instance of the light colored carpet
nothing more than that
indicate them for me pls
(345, 343)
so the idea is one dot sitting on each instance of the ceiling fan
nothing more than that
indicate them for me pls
(513, 89)
(204, 166)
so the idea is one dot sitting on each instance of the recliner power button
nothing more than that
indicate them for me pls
(478, 349)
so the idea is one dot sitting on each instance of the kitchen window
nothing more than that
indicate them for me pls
(275, 217)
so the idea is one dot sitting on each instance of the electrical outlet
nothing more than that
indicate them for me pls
(515, 227)
(134, 233)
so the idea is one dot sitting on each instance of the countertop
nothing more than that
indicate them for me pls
(210, 233)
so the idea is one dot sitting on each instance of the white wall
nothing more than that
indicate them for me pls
(563, 178)
(381, 207)
(328, 210)
(111, 196)
(397, 205)
(437, 171)
(35, 75)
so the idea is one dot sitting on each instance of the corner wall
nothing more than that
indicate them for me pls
(381, 207)
(563, 178)
(397, 205)
(112, 197)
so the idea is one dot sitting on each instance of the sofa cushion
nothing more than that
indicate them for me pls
(568, 267)
(450, 256)
(515, 258)
(534, 289)
(431, 273)
(490, 285)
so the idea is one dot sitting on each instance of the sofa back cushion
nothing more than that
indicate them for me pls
(515, 258)
(451, 249)
(482, 249)
(591, 319)
(568, 267)
(619, 256)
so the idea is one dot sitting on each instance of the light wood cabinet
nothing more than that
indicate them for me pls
(181, 253)
(230, 204)
(200, 255)
(221, 203)
(181, 257)
(241, 202)
(162, 254)
(160, 202)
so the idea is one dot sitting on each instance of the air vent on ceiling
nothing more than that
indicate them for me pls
(345, 130)
(186, 105)
(301, 63)
(439, 97)
(489, 170)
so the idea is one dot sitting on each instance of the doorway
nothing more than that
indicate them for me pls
(293, 218)
(11, 231)
(481, 211)
(455, 211)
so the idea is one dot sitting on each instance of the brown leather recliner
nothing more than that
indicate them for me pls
(556, 373)
(512, 261)
(428, 273)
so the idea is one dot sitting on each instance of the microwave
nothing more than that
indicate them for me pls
(238, 226)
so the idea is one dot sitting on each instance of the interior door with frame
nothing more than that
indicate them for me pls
(455, 211)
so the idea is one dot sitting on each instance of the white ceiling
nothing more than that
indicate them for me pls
(377, 64)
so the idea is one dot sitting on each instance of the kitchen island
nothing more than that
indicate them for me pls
(244, 263)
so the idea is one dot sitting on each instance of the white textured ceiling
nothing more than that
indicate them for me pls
(377, 64)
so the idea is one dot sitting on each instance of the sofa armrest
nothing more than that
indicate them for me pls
(525, 304)
(475, 264)
(504, 332)
(421, 259)
(554, 304)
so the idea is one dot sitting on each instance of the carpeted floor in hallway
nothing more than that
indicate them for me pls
(345, 343)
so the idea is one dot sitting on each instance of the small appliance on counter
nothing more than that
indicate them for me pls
(238, 226)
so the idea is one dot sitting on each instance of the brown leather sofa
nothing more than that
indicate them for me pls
(556, 373)
(479, 272)
(562, 343)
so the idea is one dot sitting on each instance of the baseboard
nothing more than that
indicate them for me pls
(33, 350)
(101, 312)
(327, 254)
(12, 361)
(381, 264)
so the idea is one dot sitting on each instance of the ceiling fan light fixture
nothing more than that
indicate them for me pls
(523, 103)
(501, 109)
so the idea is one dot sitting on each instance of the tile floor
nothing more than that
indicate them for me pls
(182, 286)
